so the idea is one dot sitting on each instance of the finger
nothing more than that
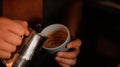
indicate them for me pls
(69, 55)
(7, 47)
(12, 38)
(25, 25)
(16, 29)
(64, 65)
(7, 24)
(66, 61)
(73, 54)
(4, 55)
(74, 44)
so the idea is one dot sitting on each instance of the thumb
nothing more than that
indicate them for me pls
(25, 26)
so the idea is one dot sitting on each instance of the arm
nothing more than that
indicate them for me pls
(74, 16)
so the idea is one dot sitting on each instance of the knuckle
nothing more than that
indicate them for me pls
(19, 29)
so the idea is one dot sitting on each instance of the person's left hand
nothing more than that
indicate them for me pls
(68, 59)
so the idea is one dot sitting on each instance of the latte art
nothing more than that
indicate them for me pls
(55, 39)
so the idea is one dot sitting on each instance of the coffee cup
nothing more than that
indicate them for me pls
(57, 37)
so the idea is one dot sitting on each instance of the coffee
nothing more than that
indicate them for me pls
(55, 39)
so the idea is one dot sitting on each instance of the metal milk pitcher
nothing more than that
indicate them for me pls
(25, 51)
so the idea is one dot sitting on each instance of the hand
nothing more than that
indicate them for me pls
(10, 35)
(68, 59)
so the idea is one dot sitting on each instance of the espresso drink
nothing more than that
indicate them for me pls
(55, 39)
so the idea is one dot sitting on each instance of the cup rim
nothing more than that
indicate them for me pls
(68, 35)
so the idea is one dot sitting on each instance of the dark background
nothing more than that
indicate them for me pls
(99, 31)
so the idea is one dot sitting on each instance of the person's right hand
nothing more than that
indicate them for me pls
(10, 35)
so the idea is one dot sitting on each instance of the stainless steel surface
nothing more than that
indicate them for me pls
(20, 62)
(30, 46)
(24, 52)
